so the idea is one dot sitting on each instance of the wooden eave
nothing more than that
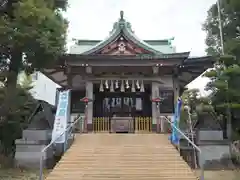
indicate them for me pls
(199, 60)
(124, 60)
(189, 68)
(193, 68)
(57, 75)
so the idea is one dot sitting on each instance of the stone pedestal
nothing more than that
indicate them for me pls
(28, 149)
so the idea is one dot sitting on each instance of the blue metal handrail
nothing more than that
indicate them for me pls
(78, 118)
(201, 163)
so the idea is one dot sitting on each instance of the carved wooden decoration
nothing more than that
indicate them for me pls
(121, 46)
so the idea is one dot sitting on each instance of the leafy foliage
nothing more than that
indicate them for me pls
(226, 88)
(15, 119)
(231, 28)
(225, 77)
(197, 104)
(32, 33)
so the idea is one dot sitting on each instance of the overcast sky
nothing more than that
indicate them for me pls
(150, 19)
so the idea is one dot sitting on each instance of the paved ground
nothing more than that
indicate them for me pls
(14, 174)
(222, 175)
(17, 174)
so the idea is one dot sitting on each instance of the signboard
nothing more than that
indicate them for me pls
(167, 101)
(62, 116)
(77, 106)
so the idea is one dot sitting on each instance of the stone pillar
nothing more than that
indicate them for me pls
(89, 94)
(155, 110)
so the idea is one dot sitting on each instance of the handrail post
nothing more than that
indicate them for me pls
(41, 167)
(65, 143)
(78, 118)
(201, 164)
(201, 158)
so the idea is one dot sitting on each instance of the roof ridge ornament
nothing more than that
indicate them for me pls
(122, 28)
(121, 23)
(170, 40)
(121, 15)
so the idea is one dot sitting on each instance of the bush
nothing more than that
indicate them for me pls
(14, 117)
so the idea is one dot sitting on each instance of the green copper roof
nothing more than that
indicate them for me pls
(149, 42)
(122, 28)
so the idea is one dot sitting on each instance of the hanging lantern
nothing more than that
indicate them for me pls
(142, 87)
(106, 84)
(127, 85)
(157, 100)
(101, 89)
(86, 100)
(133, 87)
(122, 86)
(111, 86)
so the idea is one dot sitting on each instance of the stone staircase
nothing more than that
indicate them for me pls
(122, 157)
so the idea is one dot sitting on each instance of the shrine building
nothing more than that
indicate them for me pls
(129, 81)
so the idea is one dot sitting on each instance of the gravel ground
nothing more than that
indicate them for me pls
(222, 175)
(17, 174)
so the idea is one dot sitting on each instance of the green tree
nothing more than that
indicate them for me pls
(225, 76)
(197, 104)
(32, 34)
(32, 37)
(226, 87)
(230, 16)
(14, 119)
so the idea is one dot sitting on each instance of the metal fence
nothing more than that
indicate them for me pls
(201, 158)
(70, 136)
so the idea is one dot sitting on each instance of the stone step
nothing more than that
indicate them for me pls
(130, 158)
(98, 166)
(122, 157)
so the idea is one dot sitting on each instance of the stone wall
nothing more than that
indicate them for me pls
(209, 135)
(215, 150)
(28, 149)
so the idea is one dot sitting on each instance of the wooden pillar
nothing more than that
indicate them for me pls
(69, 76)
(176, 88)
(89, 94)
(155, 94)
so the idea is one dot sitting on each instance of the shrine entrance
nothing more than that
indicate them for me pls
(119, 104)
(119, 111)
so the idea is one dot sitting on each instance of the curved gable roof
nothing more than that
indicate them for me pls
(122, 28)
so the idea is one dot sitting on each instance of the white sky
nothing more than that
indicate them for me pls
(150, 19)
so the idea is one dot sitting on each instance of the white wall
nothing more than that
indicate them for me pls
(44, 88)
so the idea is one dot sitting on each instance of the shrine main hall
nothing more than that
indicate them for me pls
(125, 78)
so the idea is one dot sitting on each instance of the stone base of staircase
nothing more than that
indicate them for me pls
(122, 157)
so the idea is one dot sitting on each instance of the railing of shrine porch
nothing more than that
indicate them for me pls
(201, 156)
(141, 124)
